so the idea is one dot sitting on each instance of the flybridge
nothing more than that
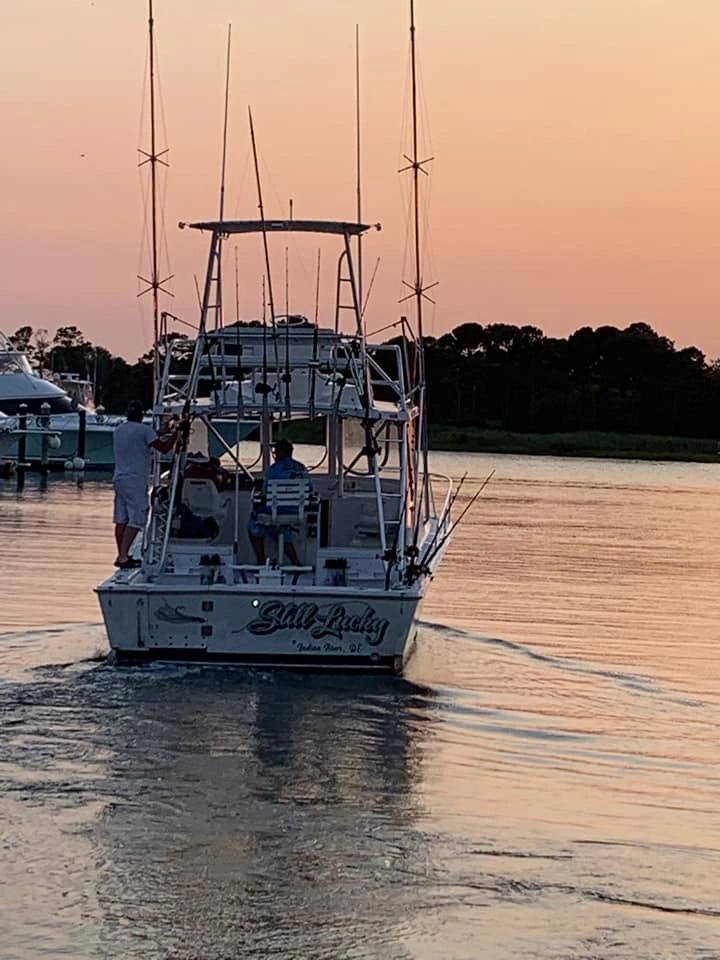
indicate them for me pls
(341, 228)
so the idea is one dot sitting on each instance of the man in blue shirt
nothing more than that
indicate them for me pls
(284, 468)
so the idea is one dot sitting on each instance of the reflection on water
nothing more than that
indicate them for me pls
(248, 813)
(268, 808)
(543, 785)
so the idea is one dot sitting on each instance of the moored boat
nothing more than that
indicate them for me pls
(20, 387)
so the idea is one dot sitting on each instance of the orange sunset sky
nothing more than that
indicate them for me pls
(576, 143)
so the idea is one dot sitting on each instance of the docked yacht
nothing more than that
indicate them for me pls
(364, 522)
(54, 405)
(19, 385)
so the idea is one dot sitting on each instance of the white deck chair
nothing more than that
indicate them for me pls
(285, 504)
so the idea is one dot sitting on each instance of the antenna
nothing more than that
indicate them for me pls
(419, 292)
(154, 284)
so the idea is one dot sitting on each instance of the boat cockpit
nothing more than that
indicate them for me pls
(343, 527)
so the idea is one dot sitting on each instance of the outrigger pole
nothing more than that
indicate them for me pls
(265, 429)
(261, 208)
(223, 167)
(358, 160)
(154, 284)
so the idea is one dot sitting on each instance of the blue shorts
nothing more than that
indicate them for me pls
(256, 529)
(131, 502)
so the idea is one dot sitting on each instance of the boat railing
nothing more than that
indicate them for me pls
(444, 514)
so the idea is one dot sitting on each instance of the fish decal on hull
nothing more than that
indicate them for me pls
(169, 614)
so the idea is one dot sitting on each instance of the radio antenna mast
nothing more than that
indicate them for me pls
(154, 283)
(419, 291)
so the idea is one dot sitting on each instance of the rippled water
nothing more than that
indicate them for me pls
(544, 784)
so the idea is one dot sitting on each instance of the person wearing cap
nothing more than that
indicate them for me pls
(132, 445)
(284, 468)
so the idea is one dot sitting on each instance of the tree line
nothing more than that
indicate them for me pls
(499, 376)
(629, 380)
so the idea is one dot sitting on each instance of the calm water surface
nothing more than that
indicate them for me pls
(544, 784)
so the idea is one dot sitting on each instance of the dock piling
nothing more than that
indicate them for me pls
(22, 444)
(44, 421)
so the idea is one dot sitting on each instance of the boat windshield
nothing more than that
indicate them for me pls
(14, 363)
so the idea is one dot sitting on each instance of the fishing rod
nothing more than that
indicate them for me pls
(369, 289)
(264, 339)
(412, 550)
(237, 288)
(236, 510)
(314, 363)
(429, 557)
(238, 344)
(287, 376)
(392, 554)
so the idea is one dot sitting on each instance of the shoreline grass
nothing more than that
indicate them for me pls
(623, 446)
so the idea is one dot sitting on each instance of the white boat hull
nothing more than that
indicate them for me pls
(98, 440)
(291, 628)
(99, 453)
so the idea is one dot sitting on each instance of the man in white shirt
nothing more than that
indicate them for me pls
(132, 445)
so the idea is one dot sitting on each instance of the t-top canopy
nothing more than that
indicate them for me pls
(340, 227)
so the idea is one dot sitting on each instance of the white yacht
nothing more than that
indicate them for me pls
(366, 529)
(65, 395)
(52, 405)
(19, 385)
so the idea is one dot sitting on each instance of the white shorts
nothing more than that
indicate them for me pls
(131, 502)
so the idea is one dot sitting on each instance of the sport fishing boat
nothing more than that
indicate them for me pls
(367, 534)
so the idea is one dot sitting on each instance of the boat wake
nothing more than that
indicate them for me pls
(530, 877)
(60, 647)
(631, 681)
